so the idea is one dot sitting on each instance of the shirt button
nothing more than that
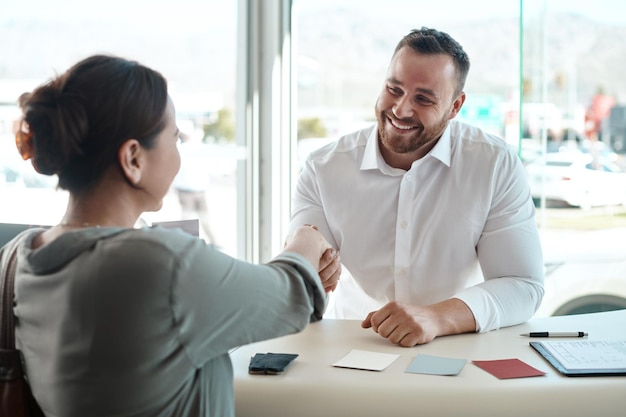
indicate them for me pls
(404, 224)
(407, 177)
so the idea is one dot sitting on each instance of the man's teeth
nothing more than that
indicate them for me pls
(400, 126)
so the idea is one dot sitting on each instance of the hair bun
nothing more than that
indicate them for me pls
(57, 125)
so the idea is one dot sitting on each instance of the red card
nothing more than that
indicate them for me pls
(508, 368)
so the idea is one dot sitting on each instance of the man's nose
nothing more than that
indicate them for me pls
(403, 108)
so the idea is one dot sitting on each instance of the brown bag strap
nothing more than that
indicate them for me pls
(7, 282)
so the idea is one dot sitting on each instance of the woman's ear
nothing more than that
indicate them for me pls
(130, 156)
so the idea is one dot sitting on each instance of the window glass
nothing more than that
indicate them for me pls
(341, 65)
(191, 42)
(547, 58)
(574, 102)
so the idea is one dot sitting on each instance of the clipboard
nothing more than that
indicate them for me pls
(584, 357)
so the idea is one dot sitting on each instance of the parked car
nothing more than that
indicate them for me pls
(578, 179)
(598, 148)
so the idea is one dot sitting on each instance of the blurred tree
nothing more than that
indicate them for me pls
(311, 127)
(223, 128)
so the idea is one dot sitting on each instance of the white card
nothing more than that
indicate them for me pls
(362, 359)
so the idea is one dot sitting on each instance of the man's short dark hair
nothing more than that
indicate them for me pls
(432, 41)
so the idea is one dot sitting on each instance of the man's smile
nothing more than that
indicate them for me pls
(399, 125)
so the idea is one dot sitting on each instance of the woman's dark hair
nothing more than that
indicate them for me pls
(432, 41)
(78, 121)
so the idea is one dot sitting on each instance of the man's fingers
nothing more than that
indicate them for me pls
(331, 272)
(327, 257)
(367, 322)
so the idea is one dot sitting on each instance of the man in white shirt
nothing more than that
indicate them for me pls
(433, 218)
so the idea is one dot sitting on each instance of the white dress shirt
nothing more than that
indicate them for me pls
(460, 223)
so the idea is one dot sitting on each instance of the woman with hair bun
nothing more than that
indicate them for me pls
(115, 320)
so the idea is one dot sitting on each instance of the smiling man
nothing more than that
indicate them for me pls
(433, 218)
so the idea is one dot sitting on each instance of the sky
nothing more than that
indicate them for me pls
(188, 12)
(170, 13)
(609, 11)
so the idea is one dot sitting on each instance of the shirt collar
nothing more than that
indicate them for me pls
(443, 148)
(373, 159)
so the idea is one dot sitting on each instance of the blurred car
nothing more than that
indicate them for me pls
(578, 179)
(27, 197)
(598, 148)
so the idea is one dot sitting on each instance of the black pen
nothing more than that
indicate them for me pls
(555, 334)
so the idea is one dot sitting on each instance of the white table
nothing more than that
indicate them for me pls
(311, 386)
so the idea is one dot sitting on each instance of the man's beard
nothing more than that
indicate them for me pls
(407, 143)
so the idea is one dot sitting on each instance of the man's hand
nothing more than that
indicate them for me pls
(309, 242)
(408, 325)
(330, 269)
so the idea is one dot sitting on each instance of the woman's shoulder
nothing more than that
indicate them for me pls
(157, 238)
(108, 246)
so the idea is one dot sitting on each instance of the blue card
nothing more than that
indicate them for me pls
(435, 365)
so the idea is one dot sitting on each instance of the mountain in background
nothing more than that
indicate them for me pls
(352, 52)
(342, 56)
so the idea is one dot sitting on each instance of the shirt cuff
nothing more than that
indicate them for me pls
(482, 305)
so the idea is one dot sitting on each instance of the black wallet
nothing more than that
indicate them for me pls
(270, 363)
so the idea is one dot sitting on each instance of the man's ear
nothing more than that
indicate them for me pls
(130, 156)
(456, 105)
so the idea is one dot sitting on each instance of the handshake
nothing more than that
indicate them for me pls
(311, 244)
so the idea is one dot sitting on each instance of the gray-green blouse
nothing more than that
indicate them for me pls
(138, 322)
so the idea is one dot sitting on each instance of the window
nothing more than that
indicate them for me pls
(571, 63)
(193, 43)
(536, 68)
(547, 58)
